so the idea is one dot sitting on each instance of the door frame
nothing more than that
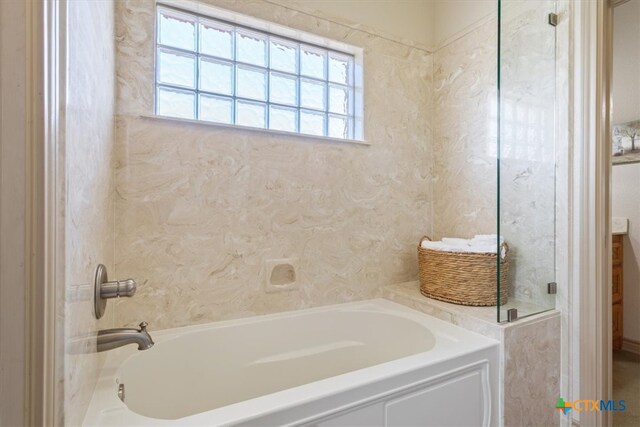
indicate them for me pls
(591, 217)
(44, 258)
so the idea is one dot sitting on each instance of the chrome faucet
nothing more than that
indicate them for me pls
(109, 339)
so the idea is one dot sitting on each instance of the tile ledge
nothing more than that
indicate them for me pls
(485, 315)
(241, 128)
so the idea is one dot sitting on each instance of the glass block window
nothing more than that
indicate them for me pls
(211, 70)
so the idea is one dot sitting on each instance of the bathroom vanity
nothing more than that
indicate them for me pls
(619, 229)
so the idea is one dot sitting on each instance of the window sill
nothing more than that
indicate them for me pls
(256, 130)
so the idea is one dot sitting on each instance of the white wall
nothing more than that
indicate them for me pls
(12, 210)
(427, 23)
(626, 178)
(626, 62)
(409, 20)
(453, 18)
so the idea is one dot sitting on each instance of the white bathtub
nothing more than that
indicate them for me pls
(367, 363)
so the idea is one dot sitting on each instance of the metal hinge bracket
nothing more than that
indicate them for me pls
(553, 19)
(552, 288)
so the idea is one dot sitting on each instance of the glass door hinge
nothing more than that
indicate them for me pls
(553, 19)
(552, 288)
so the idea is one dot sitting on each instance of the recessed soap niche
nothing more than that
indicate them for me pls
(280, 274)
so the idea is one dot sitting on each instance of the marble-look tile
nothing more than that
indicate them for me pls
(89, 196)
(464, 148)
(199, 209)
(477, 319)
(465, 144)
(532, 372)
(528, 140)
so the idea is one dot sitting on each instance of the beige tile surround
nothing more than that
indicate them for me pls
(89, 196)
(201, 209)
(182, 190)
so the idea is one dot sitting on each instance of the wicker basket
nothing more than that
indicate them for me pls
(462, 277)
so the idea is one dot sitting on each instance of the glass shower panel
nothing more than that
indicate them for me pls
(527, 153)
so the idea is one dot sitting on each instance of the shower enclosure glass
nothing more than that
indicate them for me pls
(526, 151)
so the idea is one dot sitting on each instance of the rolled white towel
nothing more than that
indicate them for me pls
(485, 239)
(428, 244)
(442, 246)
(454, 241)
(485, 236)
